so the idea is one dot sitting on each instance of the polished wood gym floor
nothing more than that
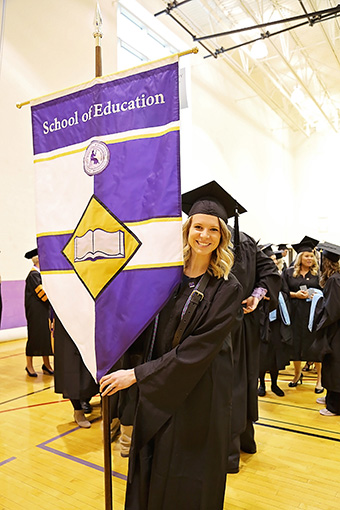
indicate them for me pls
(47, 461)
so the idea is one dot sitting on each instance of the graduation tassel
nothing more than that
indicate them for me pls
(236, 232)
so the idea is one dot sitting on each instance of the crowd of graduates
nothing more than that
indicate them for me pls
(188, 387)
(299, 330)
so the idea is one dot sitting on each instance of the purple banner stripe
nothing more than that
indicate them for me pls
(50, 252)
(142, 100)
(142, 179)
(134, 298)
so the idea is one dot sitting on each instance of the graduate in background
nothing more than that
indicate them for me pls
(326, 323)
(276, 336)
(37, 310)
(72, 377)
(300, 280)
(284, 252)
(259, 278)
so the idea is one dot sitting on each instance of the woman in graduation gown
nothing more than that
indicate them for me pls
(259, 277)
(326, 323)
(276, 337)
(72, 378)
(178, 457)
(37, 310)
(300, 280)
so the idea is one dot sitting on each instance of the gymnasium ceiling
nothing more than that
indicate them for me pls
(299, 78)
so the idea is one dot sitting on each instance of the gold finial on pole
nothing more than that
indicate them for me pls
(98, 34)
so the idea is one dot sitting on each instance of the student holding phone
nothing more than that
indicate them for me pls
(300, 280)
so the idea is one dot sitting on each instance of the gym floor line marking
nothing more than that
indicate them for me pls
(11, 355)
(26, 395)
(299, 432)
(302, 426)
(286, 405)
(33, 405)
(6, 461)
(91, 465)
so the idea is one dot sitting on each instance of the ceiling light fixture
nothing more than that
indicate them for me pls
(259, 49)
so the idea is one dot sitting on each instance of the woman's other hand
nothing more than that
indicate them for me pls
(301, 294)
(250, 304)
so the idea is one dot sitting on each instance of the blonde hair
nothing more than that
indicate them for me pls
(297, 265)
(328, 268)
(222, 258)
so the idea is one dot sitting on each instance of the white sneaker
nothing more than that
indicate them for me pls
(321, 400)
(325, 412)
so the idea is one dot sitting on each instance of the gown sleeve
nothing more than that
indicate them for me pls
(328, 308)
(36, 286)
(268, 277)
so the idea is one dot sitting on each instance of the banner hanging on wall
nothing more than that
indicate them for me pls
(108, 206)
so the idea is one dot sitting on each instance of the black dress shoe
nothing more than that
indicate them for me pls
(277, 391)
(31, 374)
(233, 470)
(294, 384)
(249, 449)
(261, 391)
(319, 390)
(46, 370)
(86, 406)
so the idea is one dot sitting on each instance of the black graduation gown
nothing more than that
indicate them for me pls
(300, 308)
(71, 377)
(181, 432)
(276, 339)
(37, 310)
(252, 268)
(327, 326)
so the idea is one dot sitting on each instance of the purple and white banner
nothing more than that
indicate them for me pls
(109, 223)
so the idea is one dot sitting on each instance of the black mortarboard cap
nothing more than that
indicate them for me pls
(307, 244)
(330, 251)
(278, 254)
(211, 199)
(31, 254)
(282, 247)
(267, 249)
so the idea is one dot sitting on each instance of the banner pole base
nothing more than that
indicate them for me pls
(107, 452)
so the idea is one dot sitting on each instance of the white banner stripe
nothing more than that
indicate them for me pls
(61, 180)
(159, 243)
(62, 290)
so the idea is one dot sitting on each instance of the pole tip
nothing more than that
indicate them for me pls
(98, 22)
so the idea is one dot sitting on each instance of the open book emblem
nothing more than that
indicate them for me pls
(100, 247)
(98, 244)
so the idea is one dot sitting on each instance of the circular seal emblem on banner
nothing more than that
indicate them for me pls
(96, 157)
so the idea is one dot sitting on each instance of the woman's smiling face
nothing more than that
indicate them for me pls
(204, 234)
(307, 259)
